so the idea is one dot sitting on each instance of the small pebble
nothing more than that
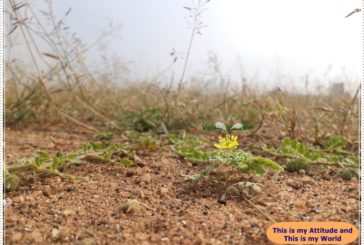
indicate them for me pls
(302, 172)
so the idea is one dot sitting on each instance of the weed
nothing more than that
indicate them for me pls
(11, 181)
(243, 161)
(148, 143)
(105, 136)
(195, 11)
(109, 153)
(347, 174)
(295, 165)
(336, 144)
(133, 135)
(98, 152)
(193, 155)
(145, 120)
(190, 148)
(333, 155)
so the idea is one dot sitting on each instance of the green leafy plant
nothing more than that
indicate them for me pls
(41, 162)
(243, 161)
(347, 174)
(105, 136)
(109, 153)
(295, 165)
(11, 180)
(192, 149)
(291, 148)
(336, 144)
(333, 155)
(145, 119)
(148, 142)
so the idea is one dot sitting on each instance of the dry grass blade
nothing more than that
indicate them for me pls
(53, 56)
(259, 210)
(348, 110)
(353, 12)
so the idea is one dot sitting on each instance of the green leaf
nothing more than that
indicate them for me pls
(173, 138)
(243, 161)
(58, 162)
(105, 136)
(242, 166)
(265, 162)
(73, 158)
(11, 181)
(259, 169)
(126, 162)
(41, 158)
(292, 149)
(148, 143)
(202, 173)
(335, 142)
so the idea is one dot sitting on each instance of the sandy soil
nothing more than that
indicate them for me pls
(163, 207)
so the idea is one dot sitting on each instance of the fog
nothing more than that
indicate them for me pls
(269, 43)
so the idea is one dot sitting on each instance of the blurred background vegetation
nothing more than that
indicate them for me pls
(51, 82)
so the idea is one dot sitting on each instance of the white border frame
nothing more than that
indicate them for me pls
(361, 134)
(2, 79)
(2, 89)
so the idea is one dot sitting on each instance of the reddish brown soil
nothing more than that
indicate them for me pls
(171, 211)
(25, 142)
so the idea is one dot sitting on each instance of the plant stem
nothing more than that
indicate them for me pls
(261, 211)
(180, 85)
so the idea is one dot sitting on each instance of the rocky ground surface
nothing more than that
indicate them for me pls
(152, 202)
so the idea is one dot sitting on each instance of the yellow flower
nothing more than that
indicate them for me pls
(227, 142)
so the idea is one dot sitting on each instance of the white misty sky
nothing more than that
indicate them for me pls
(289, 36)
